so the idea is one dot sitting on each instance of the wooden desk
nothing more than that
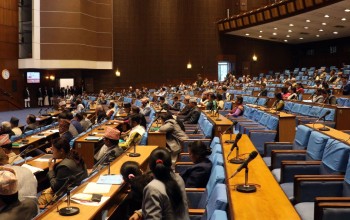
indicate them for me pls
(93, 212)
(333, 133)
(42, 120)
(219, 126)
(87, 148)
(35, 140)
(155, 137)
(268, 202)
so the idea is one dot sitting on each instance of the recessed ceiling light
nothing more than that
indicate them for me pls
(288, 36)
(306, 27)
(317, 35)
(301, 38)
(308, 21)
(289, 31)
(260, 31)
(343, 19)
(274, 33)
(335, 32)
(320, 30)
(275, 28)
(324, 23)
(326, 16)
(260, 36)
(291, 25)
(347, 10)
(285, 40)
(246, 34)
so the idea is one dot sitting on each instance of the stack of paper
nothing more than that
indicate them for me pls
(94, 188)
(110, 179)
(92, 138)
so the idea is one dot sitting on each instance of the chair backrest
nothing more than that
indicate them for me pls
(217, 200)
(302, 136)
(216, 140)
(227, 105)
(217, 176)
(316, 145)
(257, 115)
(216, 159)
(272, 124)
(335, 157)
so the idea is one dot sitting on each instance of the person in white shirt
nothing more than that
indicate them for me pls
(136, 132)
(14, 126)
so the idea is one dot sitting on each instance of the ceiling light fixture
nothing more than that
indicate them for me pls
(335, 32)
(275, 28)
(274, 34)
(324, 23)
(347, 10)
(306, 27)
(288, 36)
(343, 19)
(320, 30)
(308, 21)
(290, 31)
(291, 25)
(301, 38)
(285, 40)
(317, 35)
(260, 36)
(326, 16)
(246, 34)
(260, 31)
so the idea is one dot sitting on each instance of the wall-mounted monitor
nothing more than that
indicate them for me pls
(33, 77)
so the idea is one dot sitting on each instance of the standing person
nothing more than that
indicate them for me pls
(46, 97)
(71, 167)
(10, 206)
(164, 197)
(51, 95)
(40, 97)
(199, 81)
(174, 135)
(26, 98)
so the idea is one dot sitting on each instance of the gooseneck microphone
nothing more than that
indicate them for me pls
(252, 155)
(229, 128)
(234, 145)
(323, 117)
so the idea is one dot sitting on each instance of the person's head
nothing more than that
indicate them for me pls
(135, 109)
(324, 93)
(187, 100)
(344, 79)
(111, 137)
(5, 143)
(135, 120)
(5, 126)
(284, 90)
(111, 105)
(14, 122)
(299, 85)
(144, 101)
(78, 101)
(129, 170)
(63, 125)
(239, 100)
(79, 116)
(193, 102)
(292, 90)
(263, 86)
(166, 116)
(160, 165)
(161, 99)
(318, 82)
(278, 96)
(127, 107)
(60, 148)
(219, 97)
(31, 119)
(198, 151)
(8, 186)
(212, 96)
(175, 98)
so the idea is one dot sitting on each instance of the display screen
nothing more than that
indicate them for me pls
(33, 77)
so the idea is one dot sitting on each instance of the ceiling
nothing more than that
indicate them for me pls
(306, 27)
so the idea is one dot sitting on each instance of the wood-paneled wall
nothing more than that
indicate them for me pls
(9, 55)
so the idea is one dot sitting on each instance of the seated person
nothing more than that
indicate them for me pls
(278, 105)
(238, 109)
(110, 110)
(71, 166)
(92, 105)
(163, 104)
(83, 120)
(100, 114)
(318, 97)
(187, 107)
(5, 128)
(133, 176)
(176, 105)
(197, 176)
(211, 104)
(27, 183)
(80, 107)
(14, 126)
(145, 108)
(6, 145)
(111, 141)
(263, 90)
(124, 121)
(135, 133)
(11, 208)
(194, 114)
(136, 110)
(219, 101)
(31, 123)
(293, 94)
(63, 129)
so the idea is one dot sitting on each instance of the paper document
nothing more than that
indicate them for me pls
(38, 136)
(44, 158)
(91, 138)
(110, 179)
(85, 199)
(95, 188)
(31, 168)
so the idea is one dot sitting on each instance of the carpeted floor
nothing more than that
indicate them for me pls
(20, 114)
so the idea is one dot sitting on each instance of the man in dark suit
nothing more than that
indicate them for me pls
(31, 123)
(263, 90)
(193, 116)
(346, 85)
(11, 208)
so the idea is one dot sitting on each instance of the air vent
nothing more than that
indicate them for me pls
(339, 26)
(304, 33)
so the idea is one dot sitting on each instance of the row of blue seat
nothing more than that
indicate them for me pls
(309, 110)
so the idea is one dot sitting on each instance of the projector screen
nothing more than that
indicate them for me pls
(33, 77)
(66, 82)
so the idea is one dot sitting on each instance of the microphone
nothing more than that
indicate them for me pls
(323, 117)
(40, 111)
(234, 145)
(252, 155)
(134, 154)
(229, 128)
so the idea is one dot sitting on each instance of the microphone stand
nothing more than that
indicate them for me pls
(218, 118)
(324, 126)
(69, 210)
(134, 154)
(230, 141)
(237, 160)
(246, 188)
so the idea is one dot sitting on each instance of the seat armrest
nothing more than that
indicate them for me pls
(270, 146)
(291, 168)
(332, 208)
(196, 211)
(291, 155)
(195, 189)
(308, 187)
